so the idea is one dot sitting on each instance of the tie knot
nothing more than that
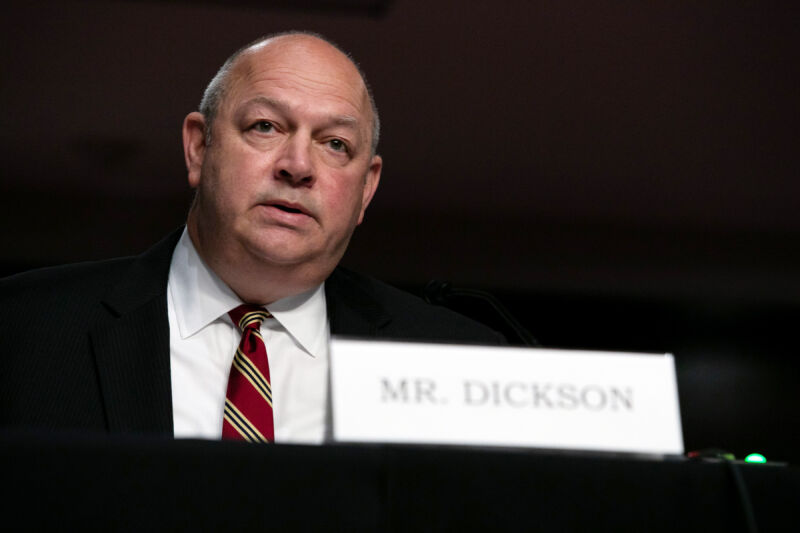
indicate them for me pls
(248, 316)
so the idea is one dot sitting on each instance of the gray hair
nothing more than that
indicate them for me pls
(218, 87)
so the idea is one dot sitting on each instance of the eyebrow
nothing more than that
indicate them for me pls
(269, 102)
(345, 120)
(339, 120)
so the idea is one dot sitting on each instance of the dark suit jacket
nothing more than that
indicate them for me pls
(86, 347)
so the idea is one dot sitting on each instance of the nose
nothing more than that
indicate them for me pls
(294, 163)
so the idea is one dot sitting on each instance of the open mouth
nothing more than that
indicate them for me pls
(286, 208)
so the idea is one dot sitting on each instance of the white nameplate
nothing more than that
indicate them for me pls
(504, 396)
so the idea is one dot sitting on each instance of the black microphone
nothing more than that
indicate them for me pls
(441, 292)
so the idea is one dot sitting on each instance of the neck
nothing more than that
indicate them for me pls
(254, 281)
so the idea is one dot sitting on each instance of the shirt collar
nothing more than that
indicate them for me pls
(305, 317)
(200, 297)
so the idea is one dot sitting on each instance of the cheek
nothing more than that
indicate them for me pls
(233, 182)
(346, 200)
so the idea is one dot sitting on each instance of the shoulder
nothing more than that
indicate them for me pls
(401, 315)
(127, 279)
(62, 291)
(75, 280)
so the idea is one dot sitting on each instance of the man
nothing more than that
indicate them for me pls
(282, 156)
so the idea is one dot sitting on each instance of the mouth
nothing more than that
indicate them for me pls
(288, 207)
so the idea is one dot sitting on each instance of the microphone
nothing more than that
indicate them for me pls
(438, 292)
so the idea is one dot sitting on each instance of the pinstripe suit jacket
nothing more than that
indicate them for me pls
(85, 347)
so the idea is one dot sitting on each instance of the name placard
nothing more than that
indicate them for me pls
(504, 396)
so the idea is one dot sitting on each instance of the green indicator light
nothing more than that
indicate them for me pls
(755, 458)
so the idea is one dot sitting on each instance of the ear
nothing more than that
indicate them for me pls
(194, 145)
(371, 181)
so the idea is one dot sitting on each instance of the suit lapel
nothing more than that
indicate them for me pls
(352, 310)
(131, 349)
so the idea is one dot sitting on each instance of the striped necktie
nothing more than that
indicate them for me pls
(248, 402)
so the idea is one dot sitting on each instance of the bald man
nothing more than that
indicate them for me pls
(282, 154)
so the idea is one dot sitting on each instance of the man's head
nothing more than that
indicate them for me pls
(217, 87)
(284, 165)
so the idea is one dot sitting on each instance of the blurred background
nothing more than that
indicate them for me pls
(622, 175)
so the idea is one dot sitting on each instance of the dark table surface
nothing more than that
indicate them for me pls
(67, 482)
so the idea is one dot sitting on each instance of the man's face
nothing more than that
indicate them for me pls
(289, 171)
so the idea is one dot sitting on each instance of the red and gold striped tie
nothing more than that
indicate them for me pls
(248, 402)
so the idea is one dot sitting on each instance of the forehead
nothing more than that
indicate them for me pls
(303, 71)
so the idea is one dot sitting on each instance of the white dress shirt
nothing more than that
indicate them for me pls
(203, 341)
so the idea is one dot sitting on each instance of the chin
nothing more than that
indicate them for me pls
(279, 256)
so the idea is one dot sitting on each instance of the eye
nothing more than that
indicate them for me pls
(337, 145)
(263, 126)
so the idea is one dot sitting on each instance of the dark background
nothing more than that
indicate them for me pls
(622, 175)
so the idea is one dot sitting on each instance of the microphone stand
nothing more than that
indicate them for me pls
(440, 292)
